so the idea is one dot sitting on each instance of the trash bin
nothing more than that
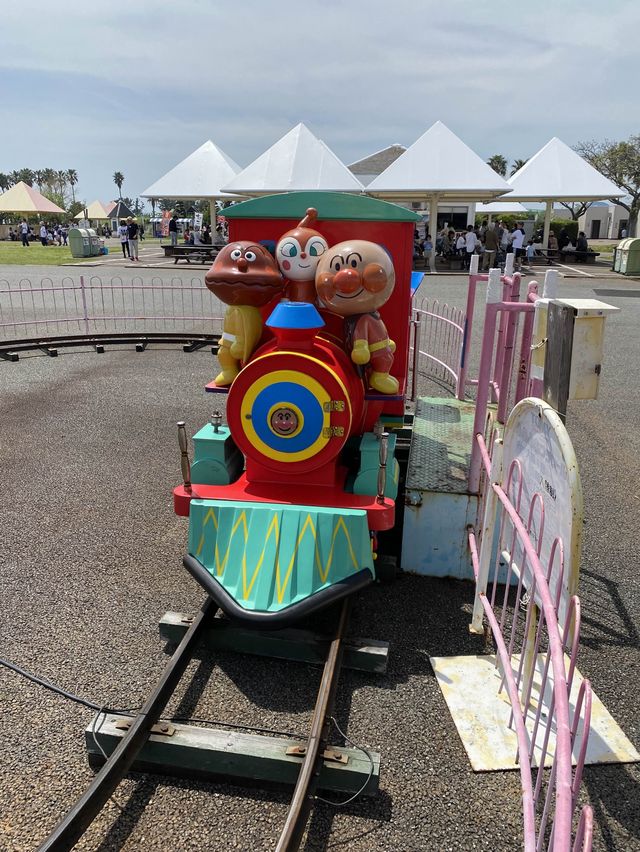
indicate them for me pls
(80, 242)
(629, 253)
(95, 242)
(615, 256)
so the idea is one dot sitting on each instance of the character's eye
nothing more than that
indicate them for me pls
(336, 262)
(236, 254)
(289, 249)
(353, 259)
(250, 256)
(316, 248)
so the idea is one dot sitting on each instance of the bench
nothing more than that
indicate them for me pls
(579, 256)
(200, 254)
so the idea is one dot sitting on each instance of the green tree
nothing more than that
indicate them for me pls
(576, 208)
(517, 165)
(118, 179)
(72, 180)
(498, 163)
(5, 182)
(620, 162)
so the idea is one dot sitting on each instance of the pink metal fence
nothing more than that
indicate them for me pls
(438, 333)
(89, 305)
(530, 644)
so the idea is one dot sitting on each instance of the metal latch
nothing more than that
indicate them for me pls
(163, 729)
(330, 754)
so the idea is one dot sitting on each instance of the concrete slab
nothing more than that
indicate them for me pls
(481, 715)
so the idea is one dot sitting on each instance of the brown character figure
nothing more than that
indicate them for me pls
(298, 252)
(244, 276)
(354, 279)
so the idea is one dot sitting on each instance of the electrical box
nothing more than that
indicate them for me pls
(573, 351)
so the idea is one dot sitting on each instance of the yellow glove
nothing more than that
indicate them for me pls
(392, 346)
(360, 353)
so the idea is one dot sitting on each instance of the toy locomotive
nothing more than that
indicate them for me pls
(286, 502)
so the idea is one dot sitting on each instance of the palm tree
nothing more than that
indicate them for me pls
(498, 163)
(49, 178)
(517, 165)
(61, 179)
(118, 179)
(38, 178)
(72, 179)
(5, 182)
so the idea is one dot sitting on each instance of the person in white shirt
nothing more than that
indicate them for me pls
(24, 232)
(123, 233)
(44, 234)
(470, 242)
(517, 243)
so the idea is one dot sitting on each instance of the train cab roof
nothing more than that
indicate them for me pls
(330, 206)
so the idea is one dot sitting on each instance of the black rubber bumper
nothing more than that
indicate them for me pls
(285, 617)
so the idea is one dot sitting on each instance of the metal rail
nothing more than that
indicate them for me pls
(302, 800)
(79, 818)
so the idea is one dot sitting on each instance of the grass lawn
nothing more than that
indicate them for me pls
(15, 254)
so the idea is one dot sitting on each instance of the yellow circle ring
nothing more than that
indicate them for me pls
(297, 411)
(295, 377)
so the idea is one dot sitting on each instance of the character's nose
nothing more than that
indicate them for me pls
(347, 280)
(303, 255)
(242, 264)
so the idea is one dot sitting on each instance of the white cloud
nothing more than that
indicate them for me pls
(136, 88)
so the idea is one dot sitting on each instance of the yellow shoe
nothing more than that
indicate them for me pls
(226, 377)
(383, 383)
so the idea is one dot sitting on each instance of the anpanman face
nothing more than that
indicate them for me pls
(354, 277)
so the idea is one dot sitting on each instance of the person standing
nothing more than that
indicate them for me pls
(173, 230)
(44, 234)
(517, 243)
(24, 232)
(132, 233)
(123, 233)
(470, 242)
(490, 246)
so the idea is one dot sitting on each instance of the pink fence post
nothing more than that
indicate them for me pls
(474, 277)
(85, 314)
(494, 291)
(510, 326)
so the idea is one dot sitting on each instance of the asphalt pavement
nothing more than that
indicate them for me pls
(90, 559)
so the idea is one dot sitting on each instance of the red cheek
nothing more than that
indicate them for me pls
(286, 264)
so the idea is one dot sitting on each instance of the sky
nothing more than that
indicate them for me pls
(137, 87)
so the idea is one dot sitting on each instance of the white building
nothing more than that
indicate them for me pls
(604, 220)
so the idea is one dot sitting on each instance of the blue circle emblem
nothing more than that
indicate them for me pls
(280, 394)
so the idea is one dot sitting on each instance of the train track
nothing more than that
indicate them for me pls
(78, 819)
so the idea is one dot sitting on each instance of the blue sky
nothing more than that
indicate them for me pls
(137, 87)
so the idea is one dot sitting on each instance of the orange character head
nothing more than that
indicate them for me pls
(244, 273)
(354, 277)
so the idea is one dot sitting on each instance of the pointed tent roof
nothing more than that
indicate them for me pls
(200, 175)
(120, 211)
(369, 167)
(557, 173)
(297, 162)
(439, 163)
(22, 198)
(95, 210)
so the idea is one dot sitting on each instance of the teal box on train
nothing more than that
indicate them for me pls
(366, 479)
(216, 459)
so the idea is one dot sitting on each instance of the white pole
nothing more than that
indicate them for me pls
(433, 228)
(508, 264)
(547, 225)
(212, 208)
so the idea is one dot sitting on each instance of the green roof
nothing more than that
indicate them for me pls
(330, 205)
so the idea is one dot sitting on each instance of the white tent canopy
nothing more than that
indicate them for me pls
(439, 163)
(438, 166)
(200, 175)
(557, 173)
(499, 206)
(297, 162)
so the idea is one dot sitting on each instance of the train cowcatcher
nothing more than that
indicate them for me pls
(286, 502)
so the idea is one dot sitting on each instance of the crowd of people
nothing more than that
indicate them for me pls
(494, 241)
(129, 233)
(49, 235)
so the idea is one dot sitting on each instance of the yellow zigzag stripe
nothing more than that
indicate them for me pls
(274, 529)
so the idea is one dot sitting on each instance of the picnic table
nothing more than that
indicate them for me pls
(199, 254)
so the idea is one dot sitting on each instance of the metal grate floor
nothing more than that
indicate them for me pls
(440, 445)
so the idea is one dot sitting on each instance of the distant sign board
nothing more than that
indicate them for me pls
(197, 220)
(164, 224)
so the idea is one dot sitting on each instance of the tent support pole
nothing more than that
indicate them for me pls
(547, 224)
(212, 208)
(433, 229)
